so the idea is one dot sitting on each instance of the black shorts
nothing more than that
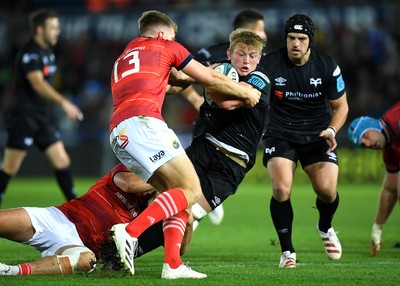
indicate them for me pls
(24, 131)
(219, 175)
(306, 153)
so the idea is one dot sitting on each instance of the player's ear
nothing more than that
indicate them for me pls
(228, 54)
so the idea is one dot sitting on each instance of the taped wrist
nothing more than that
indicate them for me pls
(332, 130)
(376, 233)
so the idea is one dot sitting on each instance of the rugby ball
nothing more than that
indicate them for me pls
(228, 70)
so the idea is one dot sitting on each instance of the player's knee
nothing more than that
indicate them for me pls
(62, 162)
(81, 258)
(11, 168)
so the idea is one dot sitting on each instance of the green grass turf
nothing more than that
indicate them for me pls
(243, 250)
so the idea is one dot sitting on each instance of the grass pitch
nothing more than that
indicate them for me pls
(244, 249)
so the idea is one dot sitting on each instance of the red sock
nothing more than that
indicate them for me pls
(25, 269)
(174, 229)
(165, 205)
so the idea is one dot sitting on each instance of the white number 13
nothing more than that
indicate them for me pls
(134, 60)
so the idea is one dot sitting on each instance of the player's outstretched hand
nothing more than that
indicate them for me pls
(376, 248)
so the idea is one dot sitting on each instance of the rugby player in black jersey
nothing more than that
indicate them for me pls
(225, 148)
(31, 121)
(250, 19)
(308, 106)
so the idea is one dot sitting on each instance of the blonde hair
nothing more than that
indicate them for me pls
(153, 19)
(245, 37)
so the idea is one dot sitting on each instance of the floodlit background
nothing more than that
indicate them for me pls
(362, 36)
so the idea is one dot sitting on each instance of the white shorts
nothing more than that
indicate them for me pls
(143, 144)
(52, 230)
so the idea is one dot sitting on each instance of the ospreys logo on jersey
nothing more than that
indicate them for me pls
(315, 82)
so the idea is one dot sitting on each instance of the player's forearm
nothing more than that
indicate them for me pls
(340, 111)
(387, 202)
(223, 84)
(46, 91)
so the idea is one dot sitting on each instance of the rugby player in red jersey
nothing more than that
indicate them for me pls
(74, 236)
(143, 142)
(381, 134)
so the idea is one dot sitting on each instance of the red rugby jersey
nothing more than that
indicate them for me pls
(391, 154)
(140, 76)
(100, 208)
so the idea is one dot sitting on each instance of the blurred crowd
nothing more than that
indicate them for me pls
(367, 54)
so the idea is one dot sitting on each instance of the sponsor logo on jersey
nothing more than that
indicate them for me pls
(280, 81)
(270, 150)
(46, 70)
(156, 157)
(130, 207)
(315, 82)
(278, 94)
(298, 95)
(49, 70)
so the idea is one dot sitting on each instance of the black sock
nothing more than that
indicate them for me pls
(326, 212)
(4, 179)
(64, 179)
(282, 217)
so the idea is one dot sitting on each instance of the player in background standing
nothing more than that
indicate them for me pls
(225, 148)
(381, 134)
(249, 19)
(308, 106)
(31, 121)
(141, 139)
(74, 237)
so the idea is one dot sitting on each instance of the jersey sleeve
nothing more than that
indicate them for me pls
(30, 61)
(336, 86)
(391, 158)
(180, 54)
(259, 80)
(118, 168)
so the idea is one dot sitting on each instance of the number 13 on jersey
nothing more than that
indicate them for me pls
(129, 64)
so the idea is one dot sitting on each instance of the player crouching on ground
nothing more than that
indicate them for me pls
(74, 236)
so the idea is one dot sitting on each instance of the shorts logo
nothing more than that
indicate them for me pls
(124, 138)
(216, 201)
(332, 156)
(175, 144)
(270, 150)
(157, 157)
(28, 141)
